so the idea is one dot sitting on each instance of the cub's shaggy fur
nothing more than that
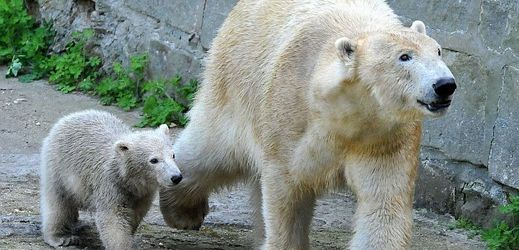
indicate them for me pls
(92, 160)
(304, 96)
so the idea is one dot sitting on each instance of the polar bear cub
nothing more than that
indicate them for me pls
(91, 160)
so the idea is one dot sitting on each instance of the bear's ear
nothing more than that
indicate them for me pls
(122, 146)
(419, 27)
(164, 128)
(346, 49)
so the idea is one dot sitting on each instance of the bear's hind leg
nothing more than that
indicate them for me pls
(59, 215)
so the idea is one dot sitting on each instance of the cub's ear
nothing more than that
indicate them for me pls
(122, 146)
(419, 27)
(346, 49)
(164, 128)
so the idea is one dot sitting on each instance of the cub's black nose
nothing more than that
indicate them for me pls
(444, 87)
(176, 179)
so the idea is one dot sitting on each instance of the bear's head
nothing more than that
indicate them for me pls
(148, 157)
(402, 68)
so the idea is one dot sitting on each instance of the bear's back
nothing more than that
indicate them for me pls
(261, 64)
(78, 147)
(89, 128)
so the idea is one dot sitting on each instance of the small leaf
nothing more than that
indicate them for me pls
(14, 67)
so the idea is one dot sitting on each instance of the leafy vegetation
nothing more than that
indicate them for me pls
(122, 88)
(23, 42)
(73, 69)
(466, 224)
(159, 107)
(503, 235)
(24, 45)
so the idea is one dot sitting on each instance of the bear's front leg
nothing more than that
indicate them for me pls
(287, 211)
(115, 228)
(384, 190)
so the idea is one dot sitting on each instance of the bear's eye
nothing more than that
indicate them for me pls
(154, 161)
(405, 58)
(173, 156)
(439, 52)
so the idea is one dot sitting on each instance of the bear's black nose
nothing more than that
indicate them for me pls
(176, 179)
(445, 87)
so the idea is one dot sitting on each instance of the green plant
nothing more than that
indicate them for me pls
(127, 89)
(466, 224)
(123, 87)
(70, 69)
(15, 24)
(160, 107)
(23, 42)
(14, 67)
(185, 93)
(503, 235)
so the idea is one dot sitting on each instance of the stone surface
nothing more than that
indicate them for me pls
(504, 157)
(470, 157)
(458, 188)
(185, 15)
(214, 15)
(480, 40)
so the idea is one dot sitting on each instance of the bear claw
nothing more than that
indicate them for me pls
(63, 241)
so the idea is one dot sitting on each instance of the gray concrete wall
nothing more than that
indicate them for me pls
(470, 158)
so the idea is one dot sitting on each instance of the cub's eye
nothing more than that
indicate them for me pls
(439, 52)
(405, 58)
(173, 156)
(154, 161)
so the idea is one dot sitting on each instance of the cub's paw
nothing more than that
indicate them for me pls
(62, 240)
(185, 217)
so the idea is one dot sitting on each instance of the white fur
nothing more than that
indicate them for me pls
(301, 97)
(92, 160)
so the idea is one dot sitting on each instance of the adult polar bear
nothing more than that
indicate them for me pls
(304, 96)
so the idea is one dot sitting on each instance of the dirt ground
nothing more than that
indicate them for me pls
(28, 110)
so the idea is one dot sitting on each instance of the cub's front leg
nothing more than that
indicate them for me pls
(115, 227)
(140, 209)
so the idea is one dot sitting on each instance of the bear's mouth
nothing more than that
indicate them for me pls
(435, 106)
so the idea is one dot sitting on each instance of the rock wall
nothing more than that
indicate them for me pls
(175, 34)
(470, 158)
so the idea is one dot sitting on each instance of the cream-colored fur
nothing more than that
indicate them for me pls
(304, 96)
(92, 160)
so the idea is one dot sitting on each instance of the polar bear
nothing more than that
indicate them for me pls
(92, 160)
(300, 97)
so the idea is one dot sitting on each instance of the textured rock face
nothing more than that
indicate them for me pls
(468, 154)
(175, 34)
(504, 155)
(470, 158)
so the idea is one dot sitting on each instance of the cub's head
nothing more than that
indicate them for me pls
(149, 157)
(403, 69)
